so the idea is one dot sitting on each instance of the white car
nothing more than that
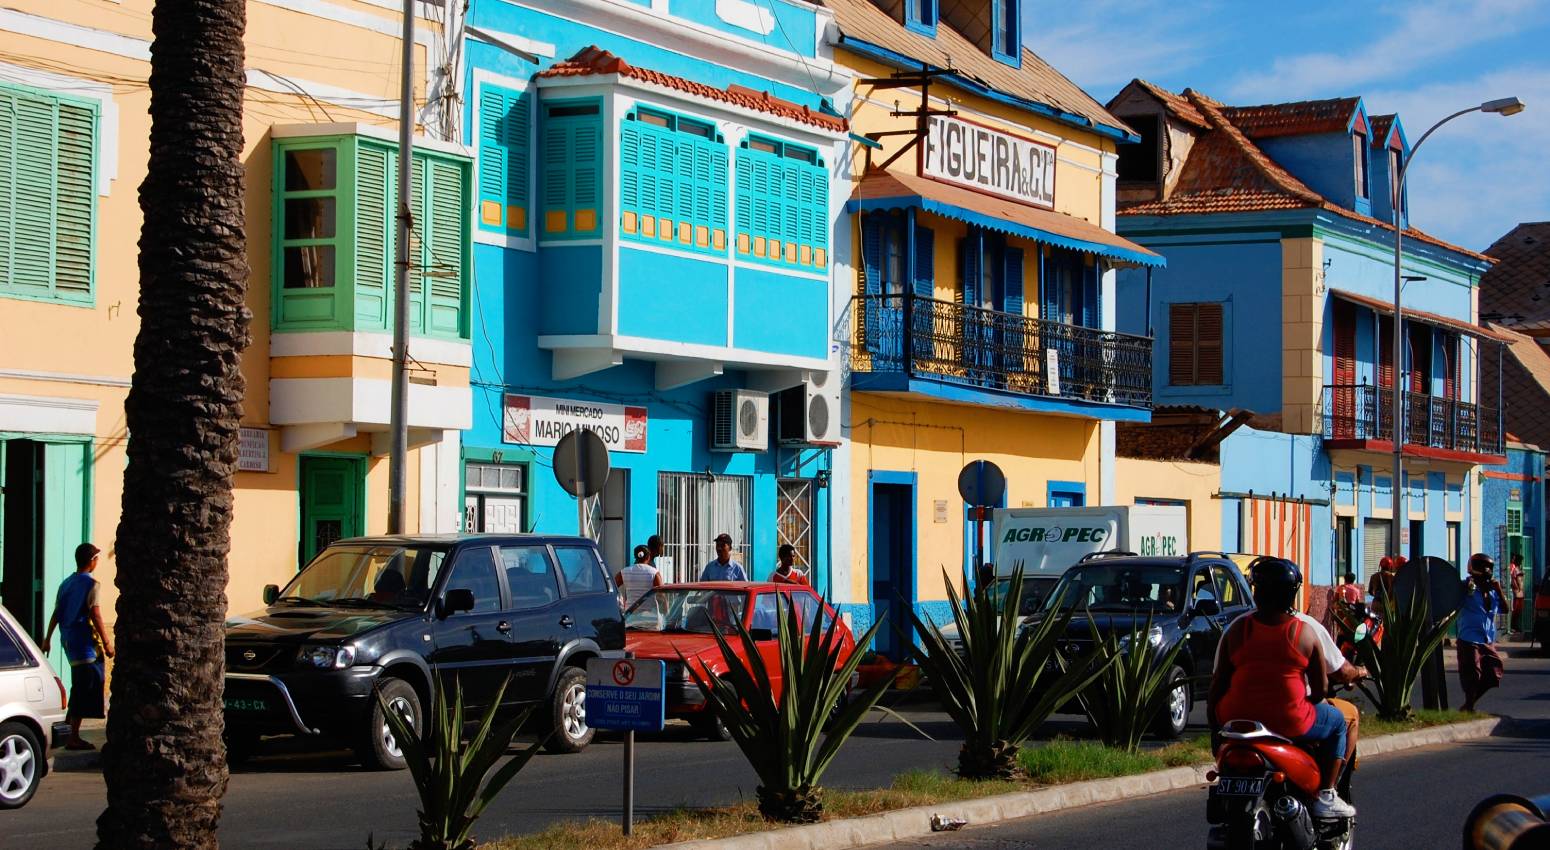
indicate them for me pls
(32, 714)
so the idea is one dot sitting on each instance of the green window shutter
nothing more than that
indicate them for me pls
(573, 171)
(375, 170)
(33, 187)
(7, 179)
(587, 151)
(447, 272)
(419, 257)
(629, 169)
(48, 195)
(746, 202)
(77, 201)
(505, 126)
(557, 180)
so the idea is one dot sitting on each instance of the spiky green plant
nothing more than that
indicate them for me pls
(1133, 691)
(783, 736)
(1409, 639)
(1003, 681)
(453, 777)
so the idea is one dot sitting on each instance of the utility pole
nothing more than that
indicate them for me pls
(398, 417)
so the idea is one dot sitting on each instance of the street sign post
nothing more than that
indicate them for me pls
(626, 695)
(982, 486)
(581, 468)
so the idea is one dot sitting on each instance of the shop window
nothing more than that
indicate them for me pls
(572, 149)
(505, 160)
(334, 210)
(673, 181)
(782, 204)
(692, 509)
(921, 16)
(1195, 344)
(48, 221)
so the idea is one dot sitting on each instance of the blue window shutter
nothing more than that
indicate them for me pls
(747, 201)
(1090, 306)
(969, 249)
(1012, 281)
(557, 179)
(587, 152)
(925, 262)
(505, 125)
(872, 225)
(719, 187)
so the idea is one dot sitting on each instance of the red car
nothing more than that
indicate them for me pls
(678, 621)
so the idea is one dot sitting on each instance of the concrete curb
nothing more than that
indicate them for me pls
(916, 822)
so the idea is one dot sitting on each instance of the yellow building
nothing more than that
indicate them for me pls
(982, 310)
(320, 124)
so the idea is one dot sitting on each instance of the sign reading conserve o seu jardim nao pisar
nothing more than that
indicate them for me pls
(976, 157)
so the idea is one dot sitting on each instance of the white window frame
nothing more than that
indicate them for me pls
(529, 242)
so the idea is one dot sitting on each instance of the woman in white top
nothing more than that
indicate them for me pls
(633, 581)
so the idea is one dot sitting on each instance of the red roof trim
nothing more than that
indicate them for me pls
(1386, 447)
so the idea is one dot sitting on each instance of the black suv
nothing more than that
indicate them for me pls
(412, 613)
(1189, 599)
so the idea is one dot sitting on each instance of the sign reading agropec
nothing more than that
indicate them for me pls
(986, 160)
(533, 420)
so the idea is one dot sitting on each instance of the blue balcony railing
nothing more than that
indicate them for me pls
(1365, 412)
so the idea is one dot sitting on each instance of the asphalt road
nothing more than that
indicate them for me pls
(320, 801)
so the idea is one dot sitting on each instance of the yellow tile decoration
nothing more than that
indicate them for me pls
(820, 257)
(586, 219)
(791, 252)
(758, 246)
(719, 239)
(556, 221)
(666, 230)
(774, 249)
(629, 222)
(516, 218)
(807, 255)
(490, 213)
(685, 232)
(742, 243)
(701, 236)
(648, 225)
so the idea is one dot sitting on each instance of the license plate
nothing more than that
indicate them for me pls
(246, 704)
(1239, 786)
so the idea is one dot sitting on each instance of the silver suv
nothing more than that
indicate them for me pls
(32, 714)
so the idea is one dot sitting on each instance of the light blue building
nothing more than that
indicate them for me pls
(1277, 299)
(655, 205)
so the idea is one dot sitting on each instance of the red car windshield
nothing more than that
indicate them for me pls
(669, 609)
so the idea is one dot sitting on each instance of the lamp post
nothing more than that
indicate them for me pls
(1501, 106)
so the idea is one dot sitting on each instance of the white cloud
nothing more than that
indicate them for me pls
(1103, 44)
(1418, 35)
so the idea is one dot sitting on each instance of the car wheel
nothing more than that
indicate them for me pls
(568, 729)
(21, 765)
(709, 726)
(378, 749)
(1175, 713)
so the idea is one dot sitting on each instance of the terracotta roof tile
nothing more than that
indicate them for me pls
(597, 61)
(1226, 172)
(1526, 388)
(1519, 286)
(1381, 125)
(1293, 119)
(1180, 107)
(1035, 81)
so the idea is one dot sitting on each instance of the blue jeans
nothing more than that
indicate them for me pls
(1327, 735)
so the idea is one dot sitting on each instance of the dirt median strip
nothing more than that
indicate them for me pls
(916, 822)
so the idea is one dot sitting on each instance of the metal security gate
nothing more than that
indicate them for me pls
(794, 517)
(1375, 545)
(692, 509)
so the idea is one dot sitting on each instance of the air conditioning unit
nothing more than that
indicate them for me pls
(739, 421)
(809, 414)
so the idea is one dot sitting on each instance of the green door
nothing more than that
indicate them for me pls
(331, 502)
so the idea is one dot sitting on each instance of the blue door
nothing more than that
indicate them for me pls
(893, 559)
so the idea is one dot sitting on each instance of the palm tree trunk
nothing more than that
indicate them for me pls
(164, 763)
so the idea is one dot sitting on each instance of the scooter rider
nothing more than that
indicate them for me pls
(1272, 670)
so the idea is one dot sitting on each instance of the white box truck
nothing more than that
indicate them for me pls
(1047, 541)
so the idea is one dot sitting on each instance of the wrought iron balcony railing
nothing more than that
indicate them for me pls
(1366, 412)
(956, 343)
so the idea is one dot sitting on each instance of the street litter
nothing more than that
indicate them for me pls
(946, 824)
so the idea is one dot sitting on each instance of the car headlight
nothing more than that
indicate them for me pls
(1154, 636)
(328, 657)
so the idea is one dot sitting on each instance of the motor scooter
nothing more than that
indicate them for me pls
(1261, 791)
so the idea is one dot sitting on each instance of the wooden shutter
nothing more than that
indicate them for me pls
(1012, 281)
(924, 271)
(77, 201)
(33, 180)
(587, 164)
(1385, 352)
(969, 250)
(446, 273)
(1181, 344)
(557, 179)
(419, 257)
(1208, 345)
(505, 126)
(375, 233)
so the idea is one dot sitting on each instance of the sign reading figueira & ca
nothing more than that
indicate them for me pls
(976, 157)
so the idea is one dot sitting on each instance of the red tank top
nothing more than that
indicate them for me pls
(1267, 680)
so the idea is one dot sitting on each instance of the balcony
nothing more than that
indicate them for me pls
(906, 343)
(1361, 416)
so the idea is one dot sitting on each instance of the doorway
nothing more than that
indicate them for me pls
(332, 502)
(892, 539)
(43, 516)
(608, 520)
(1417, 539)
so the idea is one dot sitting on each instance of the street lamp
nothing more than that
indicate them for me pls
(1398, 495)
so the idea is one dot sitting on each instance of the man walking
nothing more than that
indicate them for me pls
(80, 630)
(722, 567)
(786, 572)
(1480, 667)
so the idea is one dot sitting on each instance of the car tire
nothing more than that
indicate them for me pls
(1174, 717)
(567, 721)
(709, 726)
(21, 764)
(376, 748)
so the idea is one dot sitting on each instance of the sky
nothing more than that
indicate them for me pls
(1473, 180)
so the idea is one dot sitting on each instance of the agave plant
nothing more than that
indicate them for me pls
(1409, 639)
(1134, 690)
(454, 778)
(1000, 682)
(784, 737)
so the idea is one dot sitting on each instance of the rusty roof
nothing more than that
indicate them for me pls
(1517, 289)
(595, 60)
(1035, 81)
(1181, 108)
(1294, 119)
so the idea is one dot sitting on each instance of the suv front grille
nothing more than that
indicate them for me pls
(259, 659)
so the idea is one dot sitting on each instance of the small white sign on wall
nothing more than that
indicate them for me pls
(253, 451)
(1052, 371)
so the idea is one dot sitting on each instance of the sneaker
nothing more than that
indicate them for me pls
(1328, 806)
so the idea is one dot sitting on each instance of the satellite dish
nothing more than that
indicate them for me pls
(581, 463)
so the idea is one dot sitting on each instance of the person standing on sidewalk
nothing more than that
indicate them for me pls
(786, 571)
(636, 579)
(1515, 586)
(722, 567)
(1480, 666)
(80, 632)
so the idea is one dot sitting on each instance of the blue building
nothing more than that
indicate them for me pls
(1277, 299)
(654, 213)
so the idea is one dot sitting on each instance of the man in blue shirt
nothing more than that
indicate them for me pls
(723, 568)
(1480, 667)
(83, 634)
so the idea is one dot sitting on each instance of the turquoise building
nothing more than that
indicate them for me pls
(654, 216)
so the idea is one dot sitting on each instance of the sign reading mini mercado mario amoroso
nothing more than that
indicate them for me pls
(976, 157)
(533, 420)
